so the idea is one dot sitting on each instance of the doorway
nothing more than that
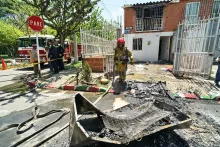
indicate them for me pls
(164, 48)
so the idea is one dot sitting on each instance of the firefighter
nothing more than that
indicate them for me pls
(47, 52)
(60, 52)
(33, 58)
(121, 56)
(52, 55)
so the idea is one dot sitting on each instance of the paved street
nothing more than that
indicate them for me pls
(11, 75)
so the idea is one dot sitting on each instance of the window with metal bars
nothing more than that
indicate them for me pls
(153, 18)
(149, 18)
(216, 8)
(192, 12)
(138, 12)
(139, 25)
(137, 43)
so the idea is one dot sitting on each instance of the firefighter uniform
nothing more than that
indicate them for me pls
(60, 52)
(52, 54)
(121, 58)
(47, 52)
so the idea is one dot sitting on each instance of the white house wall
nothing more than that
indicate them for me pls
(149, 52)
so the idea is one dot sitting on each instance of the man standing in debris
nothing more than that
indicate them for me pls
(52, 55)
(60, 52)
(33, 58)
(217, 77)
(121, 59)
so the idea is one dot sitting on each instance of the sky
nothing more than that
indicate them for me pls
(113, 8)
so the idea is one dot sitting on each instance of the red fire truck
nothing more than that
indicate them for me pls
(25, 46)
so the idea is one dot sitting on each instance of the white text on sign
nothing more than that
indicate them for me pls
(35, 23)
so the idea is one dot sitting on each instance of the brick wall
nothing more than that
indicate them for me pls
(130, 18)
(173, 14)
(96, 63)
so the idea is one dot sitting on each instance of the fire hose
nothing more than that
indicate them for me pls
(21, 128)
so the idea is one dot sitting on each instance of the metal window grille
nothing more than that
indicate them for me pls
(139, 13)
(216, 8)
(192, 12)
(153, 18)
(137, 44)
(149, 18)
(139, 25)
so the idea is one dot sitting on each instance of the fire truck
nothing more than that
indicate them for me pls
(25, 46)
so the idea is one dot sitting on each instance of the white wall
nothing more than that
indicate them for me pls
(148, 52)
(165, 46)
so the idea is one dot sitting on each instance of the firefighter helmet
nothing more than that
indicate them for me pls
(120, 41)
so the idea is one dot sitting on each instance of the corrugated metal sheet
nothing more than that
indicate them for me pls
(152, 3)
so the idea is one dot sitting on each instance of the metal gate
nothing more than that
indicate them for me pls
(195, 44)
(100, 43)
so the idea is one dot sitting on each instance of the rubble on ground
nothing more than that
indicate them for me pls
(150, 109)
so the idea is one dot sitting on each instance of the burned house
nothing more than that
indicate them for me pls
(151, 28)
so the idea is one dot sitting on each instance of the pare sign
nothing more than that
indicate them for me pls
(36, 23)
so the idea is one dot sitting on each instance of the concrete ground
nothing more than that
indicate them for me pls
(204, 113)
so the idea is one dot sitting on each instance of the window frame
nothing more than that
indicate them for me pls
(139, 25)
(153, 22)
(139, 12)
(28, 42)
(214, 7)
(188, 10)
(137, 44)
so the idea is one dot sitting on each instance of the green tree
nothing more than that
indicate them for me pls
(97, 25)
(8, 36)
(64, 16)
(49, 30)
(95, 21)
(16, 12)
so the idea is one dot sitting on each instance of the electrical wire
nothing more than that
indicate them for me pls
(107, 9)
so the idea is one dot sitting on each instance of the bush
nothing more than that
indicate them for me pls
(86, 74)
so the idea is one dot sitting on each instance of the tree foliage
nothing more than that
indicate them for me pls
(64, 16)
(7, 8)
(8, 36)
(16, 13)
(95, 21)
(49, 30)
(98, 25)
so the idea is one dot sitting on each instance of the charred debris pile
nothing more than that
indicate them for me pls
(151, 108)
